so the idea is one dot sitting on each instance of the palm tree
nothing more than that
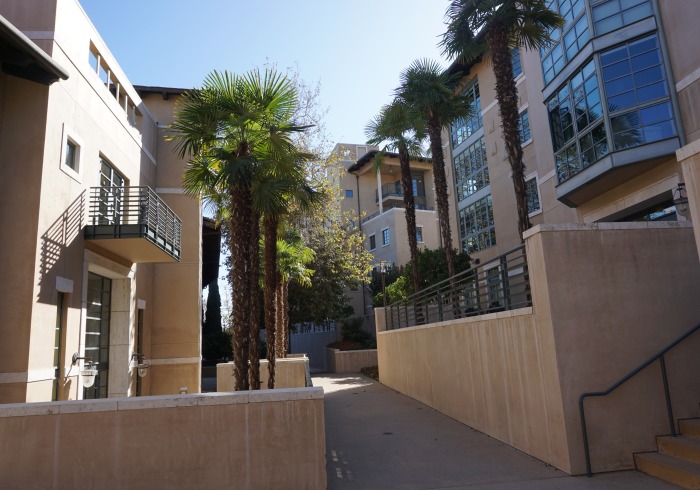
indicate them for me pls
(292, 258)
(491, 29)
(430, 91)
(398, 127)
(232, 128)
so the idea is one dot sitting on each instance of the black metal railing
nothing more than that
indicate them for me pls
(662, 363)
(396, 190)
(133, 212)
(500, 284)
(314, 327)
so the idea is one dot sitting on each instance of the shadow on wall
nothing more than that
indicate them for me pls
(62, 235)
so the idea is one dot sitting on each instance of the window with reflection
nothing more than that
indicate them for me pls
(609, 15)
(476, 225)
(637, 93)
(471, 169)
(515, 60)
(567, 41)
(464, 128)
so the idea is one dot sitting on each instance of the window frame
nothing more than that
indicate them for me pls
(419, 233)
(70, 136)
(386, 237)
(536, 178)
(372, 241)
(348, 194)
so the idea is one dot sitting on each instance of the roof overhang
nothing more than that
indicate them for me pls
(165, 92)
(369, 156)
(22, 58)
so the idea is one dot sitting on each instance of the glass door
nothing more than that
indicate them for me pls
(99, 297)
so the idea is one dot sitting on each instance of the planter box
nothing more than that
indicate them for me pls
(349, 361)
(289, 373)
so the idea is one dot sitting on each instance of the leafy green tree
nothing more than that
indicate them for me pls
(491, 29)
(398, 126)
(233, 129)
(430, 91)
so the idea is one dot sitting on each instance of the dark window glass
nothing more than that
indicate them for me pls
(471, 169)
(613, 14)
(464, 128)
(476, 225)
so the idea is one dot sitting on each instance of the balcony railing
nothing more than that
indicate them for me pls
(395, 190)
(396, 205)
(133, 212)
(500, 284)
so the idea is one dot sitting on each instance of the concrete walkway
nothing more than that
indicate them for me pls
(377, 438)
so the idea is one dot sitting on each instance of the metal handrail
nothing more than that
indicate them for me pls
(500, 284)
(658, 356)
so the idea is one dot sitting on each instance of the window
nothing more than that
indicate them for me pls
(419, 234)
(97, 322)
(70, 154)
(57, 345)
(471, 169)
(464, 128)
(111, 194)
(360, 151)
(613, 14)
(385, 236)
(138, 348)
(634, 75)
(567, 41)
(575, 116)
(372, 242)
(533, 195)
(476, 226)
(515, 60)
(348, 192)
(524, 127)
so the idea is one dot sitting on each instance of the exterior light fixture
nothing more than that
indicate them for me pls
(88, 371)
(680, 200)
(140, 363)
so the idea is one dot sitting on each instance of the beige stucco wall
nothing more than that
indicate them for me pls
(689, 158)
(289, 373)
(264, 439)
(605, 298)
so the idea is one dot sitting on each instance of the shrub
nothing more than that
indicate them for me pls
(371, 372)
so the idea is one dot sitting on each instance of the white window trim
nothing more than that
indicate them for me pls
(387, 243)
(70, 135)
(369, 241)
(535, 175)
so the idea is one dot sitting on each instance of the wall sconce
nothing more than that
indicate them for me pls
(88, 371)
(140, 363)
(680, 200)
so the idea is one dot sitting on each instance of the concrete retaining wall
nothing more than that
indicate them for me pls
(263, 439)
(606, 297)
(350, 361)
(289, 373)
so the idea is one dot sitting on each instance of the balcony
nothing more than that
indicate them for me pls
(134, 223)
(395, 205)
(393, 192)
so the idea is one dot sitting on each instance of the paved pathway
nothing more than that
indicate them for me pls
(377, 438)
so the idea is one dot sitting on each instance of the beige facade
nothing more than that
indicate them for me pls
(68, 287)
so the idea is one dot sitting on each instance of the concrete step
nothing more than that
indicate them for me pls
(673, 470)
(690, 427)
(681, 447)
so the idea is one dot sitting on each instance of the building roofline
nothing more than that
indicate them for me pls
(21, 57)
(371, 154)
(164, 91)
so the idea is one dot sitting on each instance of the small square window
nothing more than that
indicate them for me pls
(348, 192)
(419, 234)
(385, 236)
(71, 160)
(372, 242)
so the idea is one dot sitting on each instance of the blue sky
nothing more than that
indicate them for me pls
(355, 49)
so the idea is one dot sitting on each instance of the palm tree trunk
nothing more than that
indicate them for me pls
(507, 96)
(240, 282)
(410, 205)
(254, 352)
(279, 339)
(270, 230)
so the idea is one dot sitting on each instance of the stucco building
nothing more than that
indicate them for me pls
(100, 256)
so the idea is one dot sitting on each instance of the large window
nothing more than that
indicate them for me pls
(97, 331)
(576, 122)
(476, 226)
(471, 169)
(515, 60)
(464, 128)
(613, 14)
(569, 40)
(634, 77)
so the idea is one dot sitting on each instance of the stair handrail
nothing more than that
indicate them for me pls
(658, 356)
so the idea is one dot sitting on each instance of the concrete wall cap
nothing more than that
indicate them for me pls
(85, 406)
(471, 319)
(285, 394)
(28, 409)
(603, 226)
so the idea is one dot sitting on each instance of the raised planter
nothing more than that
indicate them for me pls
(349, 361)
(289, 373)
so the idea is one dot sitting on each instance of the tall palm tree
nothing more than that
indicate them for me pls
(491, 29)
(398, 127)
(231, 129)
(430, 91)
